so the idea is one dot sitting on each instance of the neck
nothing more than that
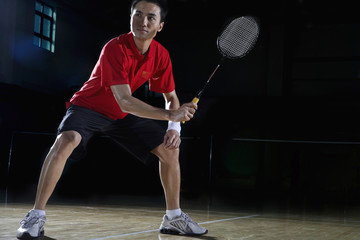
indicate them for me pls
(142, 45)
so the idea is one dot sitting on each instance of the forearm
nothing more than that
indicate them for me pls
(132, 105)
(173, 112)
(172, 103)
(139, 108)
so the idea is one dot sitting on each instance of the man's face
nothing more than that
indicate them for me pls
(145, 20)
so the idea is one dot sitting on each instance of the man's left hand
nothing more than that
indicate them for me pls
(172, 139)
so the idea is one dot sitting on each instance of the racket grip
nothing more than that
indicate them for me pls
(195, 100)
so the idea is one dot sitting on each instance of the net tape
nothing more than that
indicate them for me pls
(238, 37)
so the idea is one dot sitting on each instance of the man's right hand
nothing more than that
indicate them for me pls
(184, 113)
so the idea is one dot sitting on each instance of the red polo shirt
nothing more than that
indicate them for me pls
(121, 63)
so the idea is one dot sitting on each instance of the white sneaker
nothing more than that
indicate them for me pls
(181, 225)
(32, 226)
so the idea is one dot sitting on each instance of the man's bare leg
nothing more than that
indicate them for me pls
(53, 166)
(170, 179)
(169, 169)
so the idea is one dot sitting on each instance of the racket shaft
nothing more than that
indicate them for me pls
(207, 82)
(197, 98)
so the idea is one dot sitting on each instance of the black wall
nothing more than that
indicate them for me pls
(301, 82)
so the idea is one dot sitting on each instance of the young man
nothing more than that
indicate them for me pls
(105, 104)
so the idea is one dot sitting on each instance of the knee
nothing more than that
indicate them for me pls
(168, 156)
(69, 139)
(64, 144)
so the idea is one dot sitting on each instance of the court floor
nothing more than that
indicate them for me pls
(122, 222)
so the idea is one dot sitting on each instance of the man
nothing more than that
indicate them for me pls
(105, 104)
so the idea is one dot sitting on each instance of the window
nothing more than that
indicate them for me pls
(44, 26)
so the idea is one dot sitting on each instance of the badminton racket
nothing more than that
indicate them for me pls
(236, 40)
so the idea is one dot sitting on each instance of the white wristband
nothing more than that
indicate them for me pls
(174, 126)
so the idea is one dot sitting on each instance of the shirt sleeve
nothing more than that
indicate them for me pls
(113, 66)
(163, 80)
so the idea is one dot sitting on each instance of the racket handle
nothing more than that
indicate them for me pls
(195, 100)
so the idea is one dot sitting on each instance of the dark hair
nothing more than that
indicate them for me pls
(161, 3)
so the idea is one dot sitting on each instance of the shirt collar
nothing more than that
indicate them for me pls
(133, 51)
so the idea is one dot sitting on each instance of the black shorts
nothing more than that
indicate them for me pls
(136, 135)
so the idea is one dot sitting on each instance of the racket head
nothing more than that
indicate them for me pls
(238, 37)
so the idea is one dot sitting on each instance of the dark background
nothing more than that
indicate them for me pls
(301, 83)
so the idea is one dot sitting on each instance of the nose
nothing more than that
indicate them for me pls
(144, 21)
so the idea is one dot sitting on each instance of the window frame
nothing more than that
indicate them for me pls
(40, 37)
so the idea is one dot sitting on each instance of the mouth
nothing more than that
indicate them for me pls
(142, 30)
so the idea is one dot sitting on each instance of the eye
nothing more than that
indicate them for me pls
(151, 18)
(137, 14)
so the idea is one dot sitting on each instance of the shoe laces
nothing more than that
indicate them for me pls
(31, 218)
(188, 219)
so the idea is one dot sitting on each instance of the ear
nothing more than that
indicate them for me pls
(161, 25)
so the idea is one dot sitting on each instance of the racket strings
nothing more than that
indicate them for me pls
(238, 37)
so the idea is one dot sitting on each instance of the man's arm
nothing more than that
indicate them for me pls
(172, 136)
(171, 101)
(130, 104)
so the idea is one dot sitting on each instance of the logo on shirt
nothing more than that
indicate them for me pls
(145, 74)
